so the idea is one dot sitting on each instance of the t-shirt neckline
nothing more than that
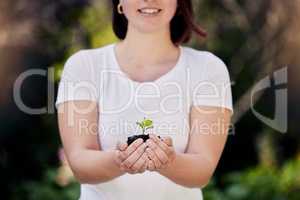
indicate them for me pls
(156, 81)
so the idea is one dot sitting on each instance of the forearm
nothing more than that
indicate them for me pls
(93, 166)
(189, 170)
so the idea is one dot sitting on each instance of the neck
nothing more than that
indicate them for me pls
(147, 48)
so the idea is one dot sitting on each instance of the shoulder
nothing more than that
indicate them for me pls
(196, 56)
(83, 59)
(91, 53)
(205, 62)
(193, 53)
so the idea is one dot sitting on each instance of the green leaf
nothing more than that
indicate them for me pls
(147, 122)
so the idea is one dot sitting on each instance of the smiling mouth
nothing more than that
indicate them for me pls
(149, 11)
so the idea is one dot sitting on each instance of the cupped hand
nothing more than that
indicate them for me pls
(160, 152)
(133, 158)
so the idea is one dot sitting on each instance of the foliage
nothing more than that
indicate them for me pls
(93, 30)
(96, 22)
(260, 182)
(47, 189)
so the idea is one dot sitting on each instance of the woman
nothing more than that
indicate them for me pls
(186, 92)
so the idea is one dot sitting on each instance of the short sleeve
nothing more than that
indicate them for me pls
(78, 80)
(211, 85)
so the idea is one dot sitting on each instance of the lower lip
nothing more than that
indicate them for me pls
(149, 15)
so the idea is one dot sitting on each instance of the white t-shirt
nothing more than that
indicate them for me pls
(198, 78)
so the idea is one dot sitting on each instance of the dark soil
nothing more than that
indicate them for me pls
(131, 139)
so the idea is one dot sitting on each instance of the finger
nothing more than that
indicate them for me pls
(162, 145)
(146, 163)
(135, 171)
(132, 147)
(168, 141)
(143, 168)
(162, 156)
(130, 161)
(122, 146)
(118, 158)
(153, 157)
(139, 163)
(151, 166)
(126, 169)
(120, 154)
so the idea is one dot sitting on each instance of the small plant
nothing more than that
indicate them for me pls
(144, 125)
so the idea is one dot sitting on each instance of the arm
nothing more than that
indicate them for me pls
(78, 131)
(195, 167)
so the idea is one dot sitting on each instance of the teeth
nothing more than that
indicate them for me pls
(149, 10)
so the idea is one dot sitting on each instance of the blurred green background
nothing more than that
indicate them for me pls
(253, 37)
